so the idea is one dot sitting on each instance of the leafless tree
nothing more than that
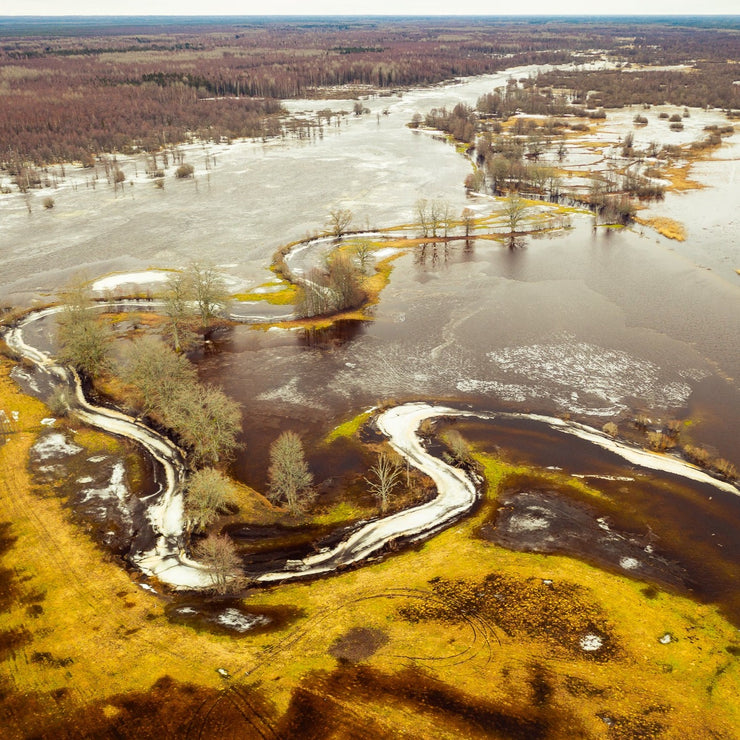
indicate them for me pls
(387, 475)
(458, 446)
(179, 312)
(157, 372)
(84, 338)
(208, 290)
(364, 255)
(207, 421)
(219, 555)
(422, 215)
(289, 475)
(339, 221)
(468, 219)
(207, 494)
(515, 210)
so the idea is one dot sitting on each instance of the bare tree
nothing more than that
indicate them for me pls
(208, 290)
(364, 255)
(207, 494)
(207, 421)
(83, 337)
(289, 473)
(515, 210)
(468, 219)
(219, 555)
(157, 372)
(422, 215)
(339, 221)
(458, 446)
(387, 474)
(177, 303)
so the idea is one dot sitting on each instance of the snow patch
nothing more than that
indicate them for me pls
(55, 445)
(590, 643)
(240, 622)
(111, 282)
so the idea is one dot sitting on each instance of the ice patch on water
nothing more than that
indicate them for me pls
(22, 376)
(240, 622)
(289, 393)
(116, 490)
(583, 378)
(629, 563)
(55, 445)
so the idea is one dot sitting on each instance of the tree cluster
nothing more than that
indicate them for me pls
(338, 287)
(204, 419)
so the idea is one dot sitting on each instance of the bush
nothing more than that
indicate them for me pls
(676, 127)
(184, 171)
(675, 118)
(640, 120)
(48, 203)
(610, 428)
(663, 115)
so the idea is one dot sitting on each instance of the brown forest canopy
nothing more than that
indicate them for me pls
(74, 87)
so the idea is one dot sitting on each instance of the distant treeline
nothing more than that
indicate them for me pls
(88, 90)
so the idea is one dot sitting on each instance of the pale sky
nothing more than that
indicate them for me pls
(363, 7)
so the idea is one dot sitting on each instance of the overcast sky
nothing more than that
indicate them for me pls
(357, 7)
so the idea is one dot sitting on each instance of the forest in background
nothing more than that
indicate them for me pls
(72, 90)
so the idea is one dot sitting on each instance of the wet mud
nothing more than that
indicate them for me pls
(545, 521)
(103, 491)
(229, 616)
(558, 613)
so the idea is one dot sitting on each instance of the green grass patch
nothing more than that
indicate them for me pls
(348, 428)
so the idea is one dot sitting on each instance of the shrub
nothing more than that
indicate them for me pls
(663, 115)
(697, 455)
(676, 127)
(640, 120)
(675, 118)
(725, 468)
(184, 171)
(659, 441)
(48, 203)
(610, 428)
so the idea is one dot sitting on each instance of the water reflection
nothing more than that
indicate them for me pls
(330, 337)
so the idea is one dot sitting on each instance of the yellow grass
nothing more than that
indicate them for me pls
(665, 226)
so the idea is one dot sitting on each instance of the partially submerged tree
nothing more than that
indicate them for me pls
(202, 416)
(289, 474)
(459, 449)
(219, 555)
(387, 475)
(207, 494)
(208, 290)
(515, 211)
(339, 221)
(208, 422)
